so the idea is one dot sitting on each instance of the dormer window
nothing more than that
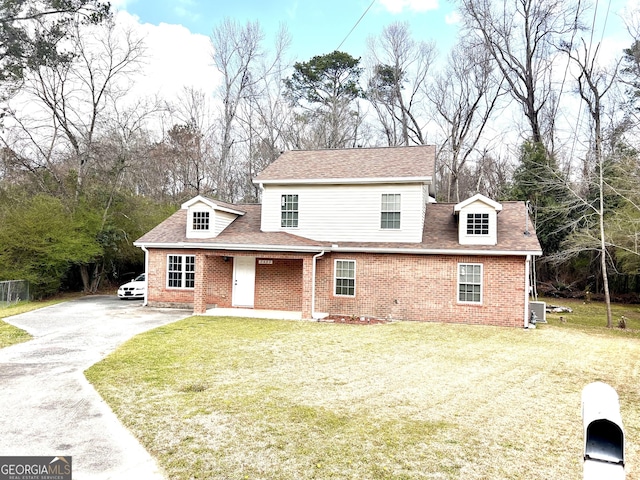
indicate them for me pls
(200, 221)
(206, 218)
(477, 224)
(477, 220)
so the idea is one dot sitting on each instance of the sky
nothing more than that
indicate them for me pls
(177, 32)
(316, 26)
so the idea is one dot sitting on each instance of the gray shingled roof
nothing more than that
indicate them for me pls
(440, 233)
(352, 163)
(245, 230)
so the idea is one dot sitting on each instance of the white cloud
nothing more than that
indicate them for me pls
(184, 9)
(174, 58)
(120, 4)
(452, 18)
(397, 6)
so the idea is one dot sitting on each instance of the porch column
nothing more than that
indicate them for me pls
(307, 286)
(200, 285)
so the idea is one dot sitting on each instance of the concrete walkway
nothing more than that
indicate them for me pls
(48, 408)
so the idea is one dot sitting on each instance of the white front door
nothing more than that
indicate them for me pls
(244, 281)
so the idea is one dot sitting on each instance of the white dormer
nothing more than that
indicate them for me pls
(477, 220)
(206, 218)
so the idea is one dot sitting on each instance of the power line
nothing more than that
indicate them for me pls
(354, 27)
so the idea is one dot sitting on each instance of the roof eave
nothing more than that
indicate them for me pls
(436, 251)
(334, 181)
(336, 248)
(234, 246)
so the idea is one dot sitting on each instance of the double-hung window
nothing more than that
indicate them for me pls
(181, 271)
(477, 224)
(201, 220)
(345, 278)
(390, 211)
(289, 211)
(470, 282)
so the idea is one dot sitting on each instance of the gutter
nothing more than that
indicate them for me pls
(313, 283)
(146, 274)
(336, 248)
(233, 246)
(434, 251)
(527, 268)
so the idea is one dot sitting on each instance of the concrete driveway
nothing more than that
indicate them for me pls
(48, 408)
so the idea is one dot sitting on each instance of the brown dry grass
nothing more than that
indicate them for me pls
(236, 398)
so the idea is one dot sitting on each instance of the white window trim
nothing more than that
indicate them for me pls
(335, 277)
(458, 283)
(182, 272)
(380, 227)
(193, 221)
(466, 227)
(296, 211)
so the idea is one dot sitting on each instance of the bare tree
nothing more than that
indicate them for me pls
(74, 101)
(593, 85)
(264, 119)
(523, 37)
(241, 59)
(76, 95)
(464, 96)
(399, 70)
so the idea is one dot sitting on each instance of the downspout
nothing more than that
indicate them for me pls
(313, 283)
(146, 274)
(527, 268)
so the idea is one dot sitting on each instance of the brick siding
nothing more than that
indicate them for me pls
(405, 287)
(424, 288)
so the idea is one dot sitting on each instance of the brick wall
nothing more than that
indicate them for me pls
(409, 287)
(424, 288)
(157, 291)
(279, 285)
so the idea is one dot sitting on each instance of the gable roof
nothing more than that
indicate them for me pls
(214, 204)
(352, 165)
(440, 235)
(478, 197)
(243, 233)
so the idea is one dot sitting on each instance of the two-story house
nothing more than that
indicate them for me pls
(350, 232)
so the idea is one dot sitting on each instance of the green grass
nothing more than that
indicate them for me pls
(10, 335)
(234, 398)
(592, 316)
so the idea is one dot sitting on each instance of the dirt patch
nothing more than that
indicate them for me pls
(354, 319)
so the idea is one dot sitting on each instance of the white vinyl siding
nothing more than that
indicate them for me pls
(346, 213)
(222, 220)
(470, 283)
(181, 271)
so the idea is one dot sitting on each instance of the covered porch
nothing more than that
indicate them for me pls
(254, 284)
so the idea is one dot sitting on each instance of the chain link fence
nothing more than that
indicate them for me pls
(13, 291)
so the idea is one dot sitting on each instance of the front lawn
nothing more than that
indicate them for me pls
(231, 398)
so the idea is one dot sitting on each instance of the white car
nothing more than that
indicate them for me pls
(134, 289)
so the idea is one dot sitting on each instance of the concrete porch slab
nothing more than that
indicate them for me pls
(253, 313)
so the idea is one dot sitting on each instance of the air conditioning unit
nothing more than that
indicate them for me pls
(539, 309)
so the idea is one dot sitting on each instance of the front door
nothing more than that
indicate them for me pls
(244, 281)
